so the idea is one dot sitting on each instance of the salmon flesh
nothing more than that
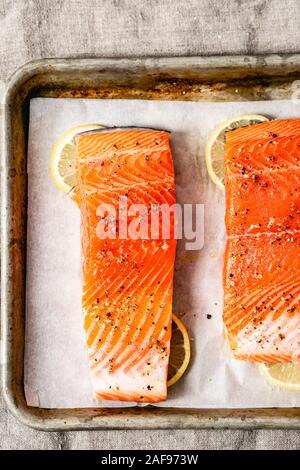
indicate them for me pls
(262, 258)
(127, 280)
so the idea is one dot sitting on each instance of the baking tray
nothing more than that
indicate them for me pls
(194, 78)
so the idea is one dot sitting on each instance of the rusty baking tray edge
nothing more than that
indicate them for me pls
(189, 78)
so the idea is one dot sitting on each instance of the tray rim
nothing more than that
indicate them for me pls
(126, 418)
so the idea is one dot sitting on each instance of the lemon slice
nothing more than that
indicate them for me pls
(63, 157)
(214, 150)
(180, 351)
(282, 375)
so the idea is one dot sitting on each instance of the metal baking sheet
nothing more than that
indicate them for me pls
(194, 78)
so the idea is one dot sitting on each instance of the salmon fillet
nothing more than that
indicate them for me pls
(127, 282)
(262, 258)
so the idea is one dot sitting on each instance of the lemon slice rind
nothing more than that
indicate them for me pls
(63, 155)
(282, 375)
(187, 351)
(215, 147)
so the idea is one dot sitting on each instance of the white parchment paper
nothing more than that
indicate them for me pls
(56, 373)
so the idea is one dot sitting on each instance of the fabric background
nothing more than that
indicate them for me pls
(32, 29)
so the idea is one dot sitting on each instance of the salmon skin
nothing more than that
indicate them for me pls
(127, 282)
(262, 258)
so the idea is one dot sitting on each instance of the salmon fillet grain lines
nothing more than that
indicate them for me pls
(262, 258)
(127, 283)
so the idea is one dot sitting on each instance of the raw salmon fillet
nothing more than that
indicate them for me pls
(127, 283)
(262, 258)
